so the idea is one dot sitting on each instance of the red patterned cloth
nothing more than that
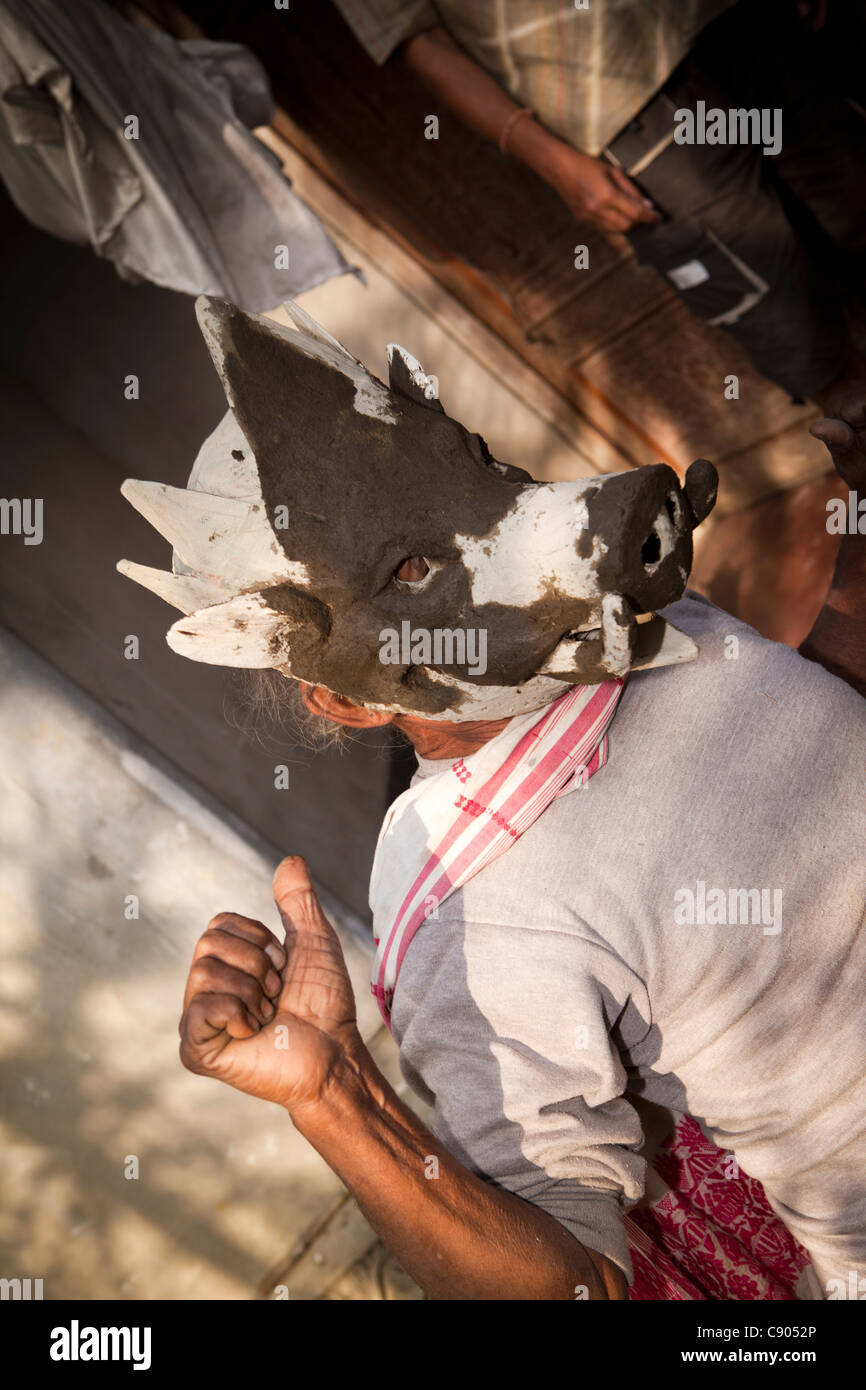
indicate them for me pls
(712, 1236)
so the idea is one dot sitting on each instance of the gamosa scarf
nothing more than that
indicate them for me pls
(448, 826)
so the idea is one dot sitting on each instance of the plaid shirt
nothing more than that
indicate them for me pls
(584, 72)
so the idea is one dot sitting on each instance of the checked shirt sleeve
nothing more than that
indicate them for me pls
(380, 26)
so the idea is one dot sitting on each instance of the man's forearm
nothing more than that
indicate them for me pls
(456, 1236)
(479, 101)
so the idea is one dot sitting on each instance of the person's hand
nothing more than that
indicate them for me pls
(274, 1020)
(845, 436)
(599, 193)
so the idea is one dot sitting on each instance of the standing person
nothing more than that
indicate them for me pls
(751, 232)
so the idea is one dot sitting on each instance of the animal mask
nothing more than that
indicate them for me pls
(304, 506)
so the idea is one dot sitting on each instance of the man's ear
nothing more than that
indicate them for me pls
(341, 711)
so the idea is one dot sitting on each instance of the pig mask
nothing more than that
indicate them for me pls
(321, 482)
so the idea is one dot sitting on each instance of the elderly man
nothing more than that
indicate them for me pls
(629, 863)
(726, 140)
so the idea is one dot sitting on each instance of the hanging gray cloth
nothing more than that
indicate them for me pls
(140, 144)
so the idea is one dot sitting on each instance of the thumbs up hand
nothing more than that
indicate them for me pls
(273, 1019)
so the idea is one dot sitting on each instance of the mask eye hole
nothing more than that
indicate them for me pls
(413, 570)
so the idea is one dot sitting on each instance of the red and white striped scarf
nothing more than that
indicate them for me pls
(446, 827)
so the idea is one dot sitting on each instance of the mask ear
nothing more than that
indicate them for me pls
(183, 591)
(408, 377)
(253, 354)
(254, 629)
(246, 632)
(701, 486)
(659, 643)
(228, 537)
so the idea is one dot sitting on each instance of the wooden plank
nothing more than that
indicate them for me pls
(353, 229)
(328, 1250)
(497, 216)
(342, 116)
(617, 327)
(771, 564)
(602, 311)
(643, 375)
(676, 369)
(479, 223)
(765, 467)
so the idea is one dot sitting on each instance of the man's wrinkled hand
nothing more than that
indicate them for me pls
(600, 193)
(274, 1019)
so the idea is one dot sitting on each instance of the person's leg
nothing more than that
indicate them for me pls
(736, 241)
(815, 80)
(728, 248)
(810, 77)
(821, 168)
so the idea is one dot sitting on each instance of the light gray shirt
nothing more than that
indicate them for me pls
(592, 960)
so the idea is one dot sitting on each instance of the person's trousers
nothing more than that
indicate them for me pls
(760, 244)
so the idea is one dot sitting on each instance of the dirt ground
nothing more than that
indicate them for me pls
(124, 1176)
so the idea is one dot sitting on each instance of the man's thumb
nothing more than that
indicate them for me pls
(295, 895)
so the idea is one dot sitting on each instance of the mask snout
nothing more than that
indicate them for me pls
(701, 489)
(669, 524)
(645, 521)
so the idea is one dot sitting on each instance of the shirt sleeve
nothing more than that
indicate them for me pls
(380, 26)
(506, 1033)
